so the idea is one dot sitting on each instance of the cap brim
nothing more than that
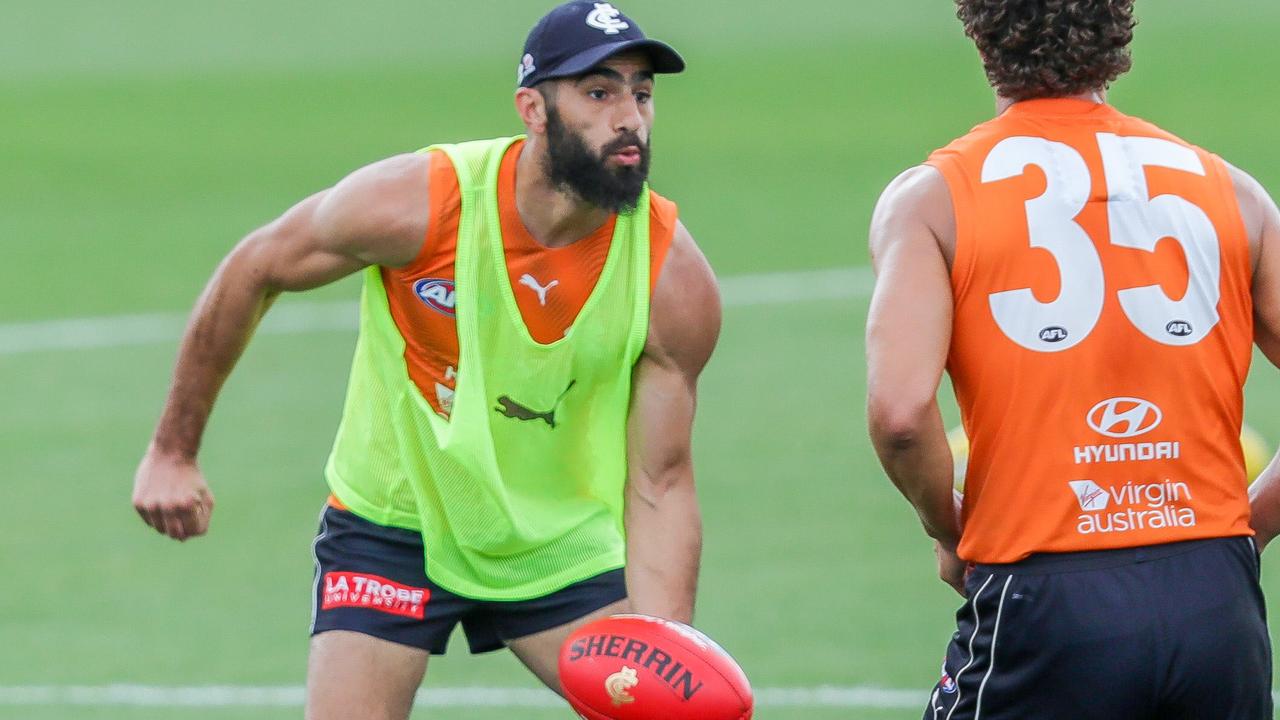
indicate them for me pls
(664, 58)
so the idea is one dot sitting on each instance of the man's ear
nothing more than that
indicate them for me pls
(531, 106)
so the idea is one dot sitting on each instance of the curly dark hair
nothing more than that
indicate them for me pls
(1050, 48)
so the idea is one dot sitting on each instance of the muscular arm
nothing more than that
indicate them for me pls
(1262, 222)
(664, 526)
(908, 336)
(377, 215)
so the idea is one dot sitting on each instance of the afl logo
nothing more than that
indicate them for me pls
(1053, 334)
(437, 294)
(1178, 328)
(1124, 417)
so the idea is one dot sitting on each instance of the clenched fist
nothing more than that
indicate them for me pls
(171, 496)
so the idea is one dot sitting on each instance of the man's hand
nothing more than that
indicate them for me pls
(950, 567)
(172, 496)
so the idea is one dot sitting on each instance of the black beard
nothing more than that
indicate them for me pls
(572, 166)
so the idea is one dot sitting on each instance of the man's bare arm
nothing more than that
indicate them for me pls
(377, 215)
(664, 525)
(1262, 222)
(908, 336)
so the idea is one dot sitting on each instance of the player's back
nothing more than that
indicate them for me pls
(1102, 333)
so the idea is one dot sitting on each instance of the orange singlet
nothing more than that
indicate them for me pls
(551, 284)
(1103, 330)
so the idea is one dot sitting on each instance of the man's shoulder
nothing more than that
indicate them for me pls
(664, 223)
(471, 160)
(1137, 125)
(686, 267)
(660, 203)
(388, 179)
(396, 166)
(685, 314)
(916, 189)
(378, 212)
(968, 142)
(919, 197)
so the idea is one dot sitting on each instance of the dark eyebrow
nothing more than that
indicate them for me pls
(614, 75)
(604, 72)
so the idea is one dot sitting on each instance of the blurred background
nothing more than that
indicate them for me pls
(140, 139)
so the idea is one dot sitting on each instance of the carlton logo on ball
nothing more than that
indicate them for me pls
(640, 667)
(659, 661)
(619, 683)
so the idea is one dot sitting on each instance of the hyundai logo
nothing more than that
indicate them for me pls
(1124, 417)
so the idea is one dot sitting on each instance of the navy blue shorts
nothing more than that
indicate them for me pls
(371, 579)
(1168, 632)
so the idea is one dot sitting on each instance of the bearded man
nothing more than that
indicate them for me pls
(514, 452)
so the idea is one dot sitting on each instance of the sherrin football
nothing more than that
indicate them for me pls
(637, 667)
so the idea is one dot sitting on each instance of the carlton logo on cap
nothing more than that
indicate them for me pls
(605, 17)
(577, 36)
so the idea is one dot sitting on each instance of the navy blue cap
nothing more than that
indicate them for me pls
(577, 36)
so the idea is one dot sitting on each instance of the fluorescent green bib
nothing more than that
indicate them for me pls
(519, 493)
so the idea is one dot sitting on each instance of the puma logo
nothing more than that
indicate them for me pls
(514, 410)
(531, 282)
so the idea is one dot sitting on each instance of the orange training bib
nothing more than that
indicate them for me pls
(1103, 330)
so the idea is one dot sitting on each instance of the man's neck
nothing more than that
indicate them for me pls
(1094, 96)
(554, 217)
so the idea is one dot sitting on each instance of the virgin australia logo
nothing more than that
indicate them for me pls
(1089, 495)
(1124, 417)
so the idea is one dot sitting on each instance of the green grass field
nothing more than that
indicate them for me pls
(140, 139)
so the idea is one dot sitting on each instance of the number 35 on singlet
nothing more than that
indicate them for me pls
(1136, 221)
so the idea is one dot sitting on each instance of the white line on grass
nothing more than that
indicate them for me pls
(292, 696)
(460, 697)
(294, 318)
(785, 287)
